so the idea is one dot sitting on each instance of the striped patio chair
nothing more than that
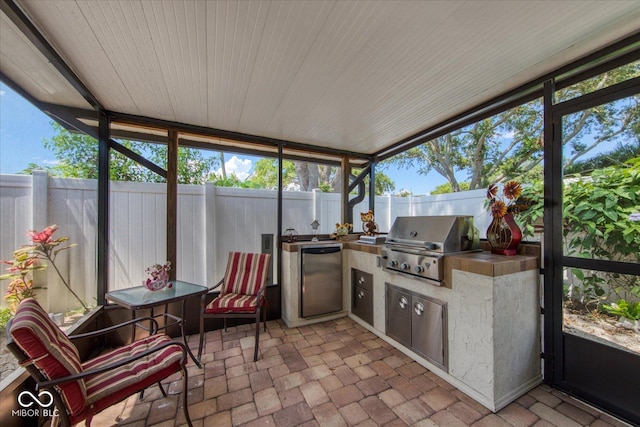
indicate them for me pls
(82, 389)
(241, 293)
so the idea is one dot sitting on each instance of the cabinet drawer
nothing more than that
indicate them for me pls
(362, 279)
(362, 304)
(362, 295)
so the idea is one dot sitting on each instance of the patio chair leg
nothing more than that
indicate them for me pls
(255, 351)
(185, 393)
(201, 337)
(224, 322)
(164, 393)
(264, 318)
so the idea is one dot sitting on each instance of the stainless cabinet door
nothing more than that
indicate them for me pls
(398, 314)
(427, 336)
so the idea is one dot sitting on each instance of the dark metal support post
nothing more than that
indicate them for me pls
(344, 191)
(372, 186)
(279, 216)
(103, 207)
(552, 224)
(172, 203)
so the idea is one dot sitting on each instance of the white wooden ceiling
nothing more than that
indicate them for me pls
(342, 74)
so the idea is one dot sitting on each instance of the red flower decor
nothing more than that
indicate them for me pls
(25, 259)
(512, 201)
(44, 236)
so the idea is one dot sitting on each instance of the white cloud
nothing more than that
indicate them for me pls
(50, 162)
(238, 167)
(2, 92)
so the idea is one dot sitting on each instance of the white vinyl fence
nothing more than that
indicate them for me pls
(211, 222)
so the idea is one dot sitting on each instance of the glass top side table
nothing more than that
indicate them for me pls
(139, 298)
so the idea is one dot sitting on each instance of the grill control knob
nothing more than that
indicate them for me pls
(393, 263)
(405, 266)
(431, 246)
(419, 269)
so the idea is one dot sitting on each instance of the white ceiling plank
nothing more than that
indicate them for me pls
(29, 69)
(356, 75)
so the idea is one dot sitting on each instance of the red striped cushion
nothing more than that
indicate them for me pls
(50, 350)
(246, 273)
(114, 385)
(233, 303)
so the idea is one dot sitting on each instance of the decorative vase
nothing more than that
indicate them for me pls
(155, 285)
(290, 235)
(504, 235)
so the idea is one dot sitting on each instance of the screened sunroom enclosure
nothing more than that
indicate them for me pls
(334, 84)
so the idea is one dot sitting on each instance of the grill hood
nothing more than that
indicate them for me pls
(443, 234)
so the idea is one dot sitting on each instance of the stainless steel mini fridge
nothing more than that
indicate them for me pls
(320, 279)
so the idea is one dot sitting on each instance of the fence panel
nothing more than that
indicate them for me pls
(211, 222)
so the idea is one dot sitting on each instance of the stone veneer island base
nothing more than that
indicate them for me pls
(493, 317)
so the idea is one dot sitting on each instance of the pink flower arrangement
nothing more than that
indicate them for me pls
(159, 276)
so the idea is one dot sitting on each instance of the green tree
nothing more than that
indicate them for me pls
(618, 156)
(510, 145)
(232, 181)
(193, 166)
(314, 175)
(77, 156)
(265, 174)
(446, 188)
(384, 184)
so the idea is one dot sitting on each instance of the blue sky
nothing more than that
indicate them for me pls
(23, 128)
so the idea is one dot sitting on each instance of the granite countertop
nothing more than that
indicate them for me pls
(489, 264)
(480, 262)
(347, 244)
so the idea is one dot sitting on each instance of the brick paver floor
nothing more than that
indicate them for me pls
(334, 373)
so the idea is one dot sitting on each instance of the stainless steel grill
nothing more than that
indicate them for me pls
(416, 245)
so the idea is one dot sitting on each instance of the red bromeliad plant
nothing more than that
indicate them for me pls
(21, 275)
(43, 247)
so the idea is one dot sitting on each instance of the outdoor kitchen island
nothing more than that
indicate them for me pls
(492, 311)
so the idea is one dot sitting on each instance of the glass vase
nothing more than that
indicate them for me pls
(504, 235)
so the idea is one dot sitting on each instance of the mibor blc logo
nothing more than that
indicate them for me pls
(35, 406)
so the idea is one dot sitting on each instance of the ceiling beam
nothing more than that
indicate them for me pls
(66, 116)
(230, 135)
(20, 20)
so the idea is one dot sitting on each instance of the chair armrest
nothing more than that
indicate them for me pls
(260, 296)
(214, 287)
(76, 377)
(103, 331)
(212, 290)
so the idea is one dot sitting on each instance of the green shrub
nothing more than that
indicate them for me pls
(5, 315)
(596, 210)
(624, 309)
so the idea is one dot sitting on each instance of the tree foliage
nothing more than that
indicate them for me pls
(597, 224)
(77, 156)
(510, 144)
(265, 174)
